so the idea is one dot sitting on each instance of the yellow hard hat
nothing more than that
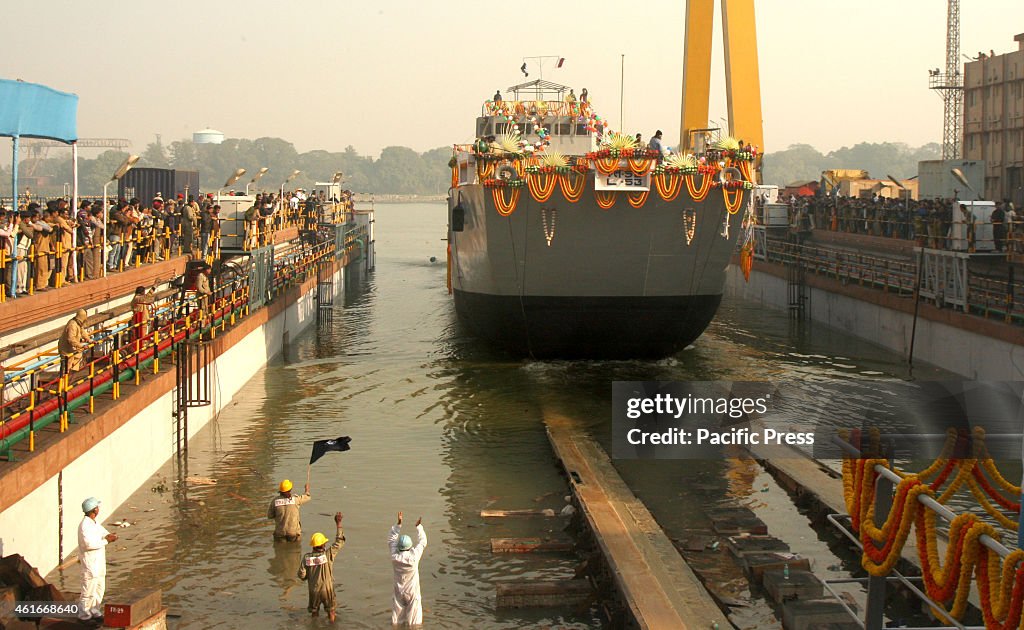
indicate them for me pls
(286, 485)
(318, 539)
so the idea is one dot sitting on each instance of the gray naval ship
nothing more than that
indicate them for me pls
(556, 249)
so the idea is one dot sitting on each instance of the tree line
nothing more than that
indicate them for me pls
(401, 170)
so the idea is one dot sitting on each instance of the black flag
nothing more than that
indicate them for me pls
(321, 447)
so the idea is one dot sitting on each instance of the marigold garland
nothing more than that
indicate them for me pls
(637, 198)
(746, 170)
(668, 185)
(455, 177)
(947, 581)
(640, 166)
(572, 186)
(485, 169)
(505, 206)
(699, 194)
(606, 166)
(733, 203)
(605, 199)
(541, 185)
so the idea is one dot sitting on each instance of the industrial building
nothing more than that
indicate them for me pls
(994, 120)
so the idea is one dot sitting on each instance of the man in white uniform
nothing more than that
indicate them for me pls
(92, 542)
(407, 605)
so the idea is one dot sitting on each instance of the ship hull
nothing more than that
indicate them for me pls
(545, 327)
(572, 280)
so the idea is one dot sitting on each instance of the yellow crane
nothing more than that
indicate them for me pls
(742, 79)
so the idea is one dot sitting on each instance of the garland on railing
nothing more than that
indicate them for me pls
(1001, 588)
(455, 177)
(485, 168)
(640, 167)
(606, 166)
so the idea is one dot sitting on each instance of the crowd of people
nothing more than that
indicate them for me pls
(928, 222)
(45, 246)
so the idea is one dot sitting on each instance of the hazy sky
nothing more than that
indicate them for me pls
(398, 72)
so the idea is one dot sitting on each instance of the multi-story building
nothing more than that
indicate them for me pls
(994, 120)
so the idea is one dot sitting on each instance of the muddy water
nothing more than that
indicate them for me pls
(441, 428)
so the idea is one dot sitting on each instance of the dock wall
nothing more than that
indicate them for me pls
(969, 345)
(110, 454)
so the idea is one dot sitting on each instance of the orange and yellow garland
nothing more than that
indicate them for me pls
(637, 198)
(605, 199)
(541, 185)
(606, 166)
(699, 194)
(640, 166)
(733, 200)
(504, 206)
(1001, 586)
(572, 185)
(668, 185)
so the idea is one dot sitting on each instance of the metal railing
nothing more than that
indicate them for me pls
(877, 586)
(970, 292)
(40, 390)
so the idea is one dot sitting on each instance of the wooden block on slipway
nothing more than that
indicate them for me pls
(529, 545)
(133, 608)
(542, 593)
(503, 513)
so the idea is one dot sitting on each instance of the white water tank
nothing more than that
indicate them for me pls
(207, 136)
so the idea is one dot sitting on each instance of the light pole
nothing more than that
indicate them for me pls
(231, 180)
(118, 174)
(255, 178)
(294, 174)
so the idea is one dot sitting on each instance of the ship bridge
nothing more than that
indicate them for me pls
(571, 126)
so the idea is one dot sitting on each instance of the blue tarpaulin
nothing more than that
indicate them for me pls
(30, 110)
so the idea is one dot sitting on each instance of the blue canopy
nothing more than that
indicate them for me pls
(30, 110)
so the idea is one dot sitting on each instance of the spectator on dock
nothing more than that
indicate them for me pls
(42, 242)
(998, 219)
(26, 232)
(73, 342)
(65, 238)
(407, 602)
(8, 234)
(93, 539)
(142, 312)
(317, 570)
(206, 230)
(284, 511)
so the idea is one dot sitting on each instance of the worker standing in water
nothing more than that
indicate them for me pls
(284, 511)
(407, 604)
(317, 569)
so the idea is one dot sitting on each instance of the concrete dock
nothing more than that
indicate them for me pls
(658, 587)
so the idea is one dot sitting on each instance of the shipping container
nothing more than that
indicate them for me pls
(145, 183)
(936, 179)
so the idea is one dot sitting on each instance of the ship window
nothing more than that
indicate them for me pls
(563, 129)
(501, 128)
(527, 128)
(581, 129)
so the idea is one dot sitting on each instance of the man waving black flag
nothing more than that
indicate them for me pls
(322, 447)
